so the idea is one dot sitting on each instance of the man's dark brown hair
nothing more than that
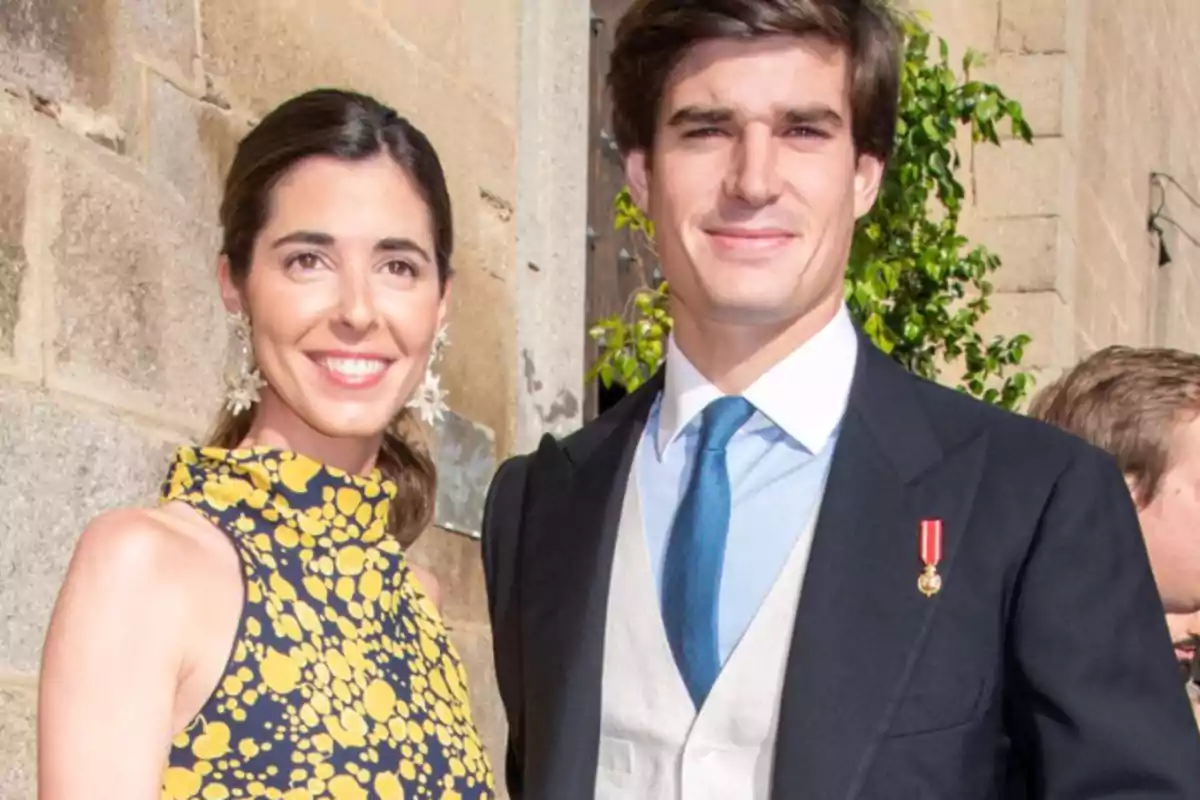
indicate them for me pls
(1128, 401)
(654, 35)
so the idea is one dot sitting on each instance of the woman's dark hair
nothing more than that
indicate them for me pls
(654, 35)
(353, 127)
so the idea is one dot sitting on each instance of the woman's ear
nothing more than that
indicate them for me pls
(444, 303)
(231, 295)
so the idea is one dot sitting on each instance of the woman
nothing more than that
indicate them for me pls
(260, 633)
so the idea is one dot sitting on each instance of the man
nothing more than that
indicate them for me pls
(786, 568)
(1142, 405)
(1185, 633)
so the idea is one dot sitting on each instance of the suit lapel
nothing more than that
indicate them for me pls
(567, 564)
(861, 617)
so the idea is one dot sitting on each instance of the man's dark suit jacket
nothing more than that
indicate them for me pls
(1042, 669)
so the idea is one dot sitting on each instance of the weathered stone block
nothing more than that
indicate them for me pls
(62, 465)
(1033, 26)
(165, 30)
(62, 49)
(435, 29)
(12, 276)
(138, 313)
(478, 148)
(18, 741)
(14, 179)
(1043, 317)
(109, 285)
(478, 369)
(465, 454)
(964, 25)
(1021, 180)
(458, 565)
(494, 166)
(491, 50)
(1036, 82)
(264, 53)
(190, 143)
(1028, 250)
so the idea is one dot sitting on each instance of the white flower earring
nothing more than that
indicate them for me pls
(429, 401)
(242, 379)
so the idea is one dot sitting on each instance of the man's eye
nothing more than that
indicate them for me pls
(703, 133)
(807, 132)
(401, 269)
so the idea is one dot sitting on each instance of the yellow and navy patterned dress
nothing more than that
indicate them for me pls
(342, 682)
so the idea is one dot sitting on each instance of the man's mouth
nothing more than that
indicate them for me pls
(1185, 657)
(749, 239)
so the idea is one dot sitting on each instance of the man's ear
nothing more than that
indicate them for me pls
(868, 176)
(637, 175)
(231, 295)
(1140, 501)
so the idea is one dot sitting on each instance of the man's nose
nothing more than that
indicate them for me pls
(754, 171)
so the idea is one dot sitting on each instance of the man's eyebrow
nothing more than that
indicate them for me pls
(716, 115)
(813, 115)
(700, 115)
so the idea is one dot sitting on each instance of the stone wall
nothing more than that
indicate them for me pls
(1140, 113)
(1109, 93)
(117, 121)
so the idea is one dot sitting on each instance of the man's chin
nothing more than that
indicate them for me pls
(762, 308)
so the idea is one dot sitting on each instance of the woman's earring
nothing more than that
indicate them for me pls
(429, 400)
(242, 379)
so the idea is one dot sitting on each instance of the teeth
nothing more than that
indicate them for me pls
(354, 367)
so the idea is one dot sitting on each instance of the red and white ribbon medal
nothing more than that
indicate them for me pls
(930, 583)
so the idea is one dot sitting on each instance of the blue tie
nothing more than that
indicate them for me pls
(696, 551)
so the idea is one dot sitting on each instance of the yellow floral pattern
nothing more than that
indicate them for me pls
(342, 682)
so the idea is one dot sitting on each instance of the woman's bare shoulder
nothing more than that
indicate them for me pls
(125, 555)
(130, 543)
(116, 648)
(143, 544)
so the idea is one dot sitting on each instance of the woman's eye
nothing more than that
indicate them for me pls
(304, 261)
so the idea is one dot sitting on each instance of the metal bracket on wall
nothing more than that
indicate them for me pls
(1159, 181)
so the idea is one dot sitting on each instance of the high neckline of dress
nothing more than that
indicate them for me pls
(288, 483)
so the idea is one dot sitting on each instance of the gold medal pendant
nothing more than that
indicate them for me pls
(930, 583)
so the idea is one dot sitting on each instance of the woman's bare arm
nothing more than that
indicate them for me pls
(112, 661)
(430, 584)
